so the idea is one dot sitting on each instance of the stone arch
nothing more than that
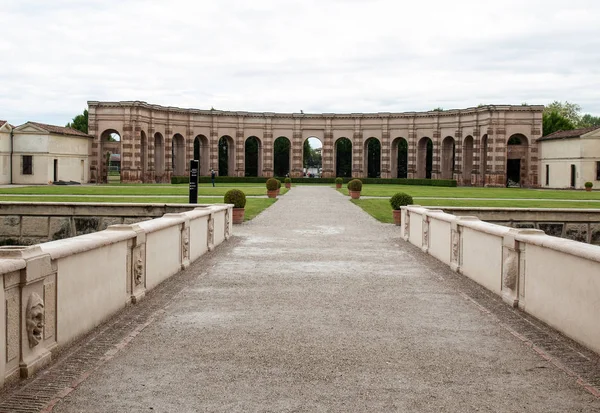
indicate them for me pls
(312, 160)
(424, 158)
(226, 156)
(143, 155)
(110, 162)
(399, 158)
(159, 156)
(281, 156)
(483, 163)
(448, 157)
(178, 155)
(516, 160)
(252, 158)
(467, 160)
(201, 148)
(343, 157)
(372, 158)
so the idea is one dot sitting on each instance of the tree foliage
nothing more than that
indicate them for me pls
(79, 122)
(553, 121)
(588, 120)
(565, 116)
(566, 109)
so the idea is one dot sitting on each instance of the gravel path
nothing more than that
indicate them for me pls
(315, 306)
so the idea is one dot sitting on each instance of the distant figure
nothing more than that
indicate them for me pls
(213, 174)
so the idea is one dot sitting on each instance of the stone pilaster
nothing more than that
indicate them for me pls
(266, 151)
(437, 155)
(214, 150)
(240, 153)
(412, 154)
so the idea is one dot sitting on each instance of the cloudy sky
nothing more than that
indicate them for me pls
(287, 56)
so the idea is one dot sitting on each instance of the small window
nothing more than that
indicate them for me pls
(27, 165)
(597, 171)
(547, 175)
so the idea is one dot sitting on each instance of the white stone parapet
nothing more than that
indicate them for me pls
(55, 292)
(555, 280)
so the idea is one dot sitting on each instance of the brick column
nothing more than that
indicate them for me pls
(266, 151)
(327, 154)
(412, 154)
(437, 155)
(240, 153)
(297, 154)
(357, 155)
(214, 150)
(385, 155)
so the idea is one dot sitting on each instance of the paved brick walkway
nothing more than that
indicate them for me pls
(314, 306)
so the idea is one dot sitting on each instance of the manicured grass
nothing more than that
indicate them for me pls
(470, 192)
(150, 190)
(381, 209)
(254, 206)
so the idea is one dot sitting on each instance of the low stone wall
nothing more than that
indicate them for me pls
(556, 280)
(57, 291)
(581, 225)
(29, 223)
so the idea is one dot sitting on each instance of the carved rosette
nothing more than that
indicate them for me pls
(211, 233)
(227, 224)
(185, 244)
(407, 226)
(425, 244)
(455, 246)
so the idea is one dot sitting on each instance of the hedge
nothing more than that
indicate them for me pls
(263, 180)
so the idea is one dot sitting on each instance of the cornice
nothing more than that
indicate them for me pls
(488, 109)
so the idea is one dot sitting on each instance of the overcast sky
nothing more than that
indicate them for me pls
(287, 56)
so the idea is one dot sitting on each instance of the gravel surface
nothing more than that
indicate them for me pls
(315, 306)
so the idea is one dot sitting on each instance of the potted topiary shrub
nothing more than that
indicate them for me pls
(238, 199)
(272, 188)
(354, 188)
(288, 183)
(278, 186)
(338, 183)
(397, 202)
(588, 186)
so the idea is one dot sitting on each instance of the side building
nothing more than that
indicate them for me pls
(487, 145)
(37, 153)
(570, 158)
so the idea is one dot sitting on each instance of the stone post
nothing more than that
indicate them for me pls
(136, 261)
(456, 242)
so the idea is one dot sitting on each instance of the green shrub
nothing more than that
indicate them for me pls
(278, 183)
(235, 197)
(355, 185)
(589, 184)
(339, 181)
(288, 180)
(272, 184)
(400, 199)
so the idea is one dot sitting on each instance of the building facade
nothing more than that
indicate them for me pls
(36, 153)
(570, 158)
(469, 145)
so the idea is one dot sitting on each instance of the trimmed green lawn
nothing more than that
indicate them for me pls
(138, 189)
(473, 192)
(381, 209)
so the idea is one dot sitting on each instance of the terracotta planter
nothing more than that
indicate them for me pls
(288, 185)
(354, 194)
(588, 189)
(397, 216)
(272, 194)
(238, 215)
(338, 186)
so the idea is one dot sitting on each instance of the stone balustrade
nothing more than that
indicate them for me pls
(57, 291)
(555, 280)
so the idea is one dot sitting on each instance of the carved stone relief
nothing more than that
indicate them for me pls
(407, 226)
(226, 223)
(510, 270)
(425, 233)
(34, 319)
(185, 244)
(138, 266)
(211, 232)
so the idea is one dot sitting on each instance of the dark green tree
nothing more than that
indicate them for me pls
(79, 122)
(553, 121)
(588, 120)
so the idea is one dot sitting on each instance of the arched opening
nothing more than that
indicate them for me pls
(226, 156)
(425, 158)
(178, 155)
(448, 157)
(251, 156)
(343, 158)
(467, 160)
(516, 160)
(311, 157)
(143, 155)
(110, 164)
(483, 159)
(399, 158)
(281, 156)
(372, 159)
(159, 157)
(201, 154)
